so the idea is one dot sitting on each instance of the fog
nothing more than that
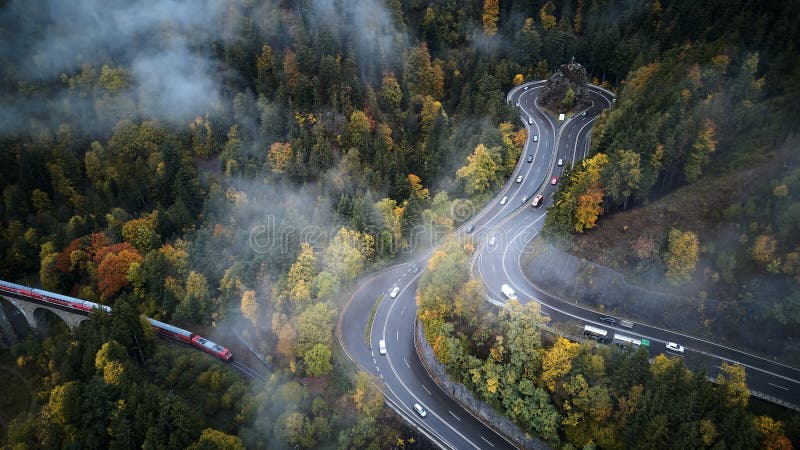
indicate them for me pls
(172, 79)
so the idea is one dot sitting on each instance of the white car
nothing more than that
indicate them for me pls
(420, 410)
(524, 199)
(519, 179)
(492, 240)
(394, 292)
(535, 138)
(560, 162)
(382, 347)
(504, 200)
(517, 103)
(530, 120)
(675, 348)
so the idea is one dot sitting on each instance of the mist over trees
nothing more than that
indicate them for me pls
(233, 166)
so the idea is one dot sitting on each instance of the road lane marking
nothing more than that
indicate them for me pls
(381, 376)
(452, 414)
(403, 311)
(400, 380)
(407, 364)
(426, 390)
(781, 387)
(485, 440)
(397, 335)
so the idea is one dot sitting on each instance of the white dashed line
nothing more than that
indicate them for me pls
(780, 387)
(484, 440)
(451, 413)
(404, 360)
(426, 390)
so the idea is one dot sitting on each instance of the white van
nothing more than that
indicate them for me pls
(508, 292)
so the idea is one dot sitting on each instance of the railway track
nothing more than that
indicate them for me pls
(247, 371)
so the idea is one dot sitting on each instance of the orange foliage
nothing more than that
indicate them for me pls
(115, 260)
(64, 259)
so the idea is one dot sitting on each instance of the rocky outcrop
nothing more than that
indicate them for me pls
(570, 77)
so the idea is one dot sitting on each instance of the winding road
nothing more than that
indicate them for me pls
(512, 223)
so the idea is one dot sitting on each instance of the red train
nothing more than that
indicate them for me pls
(188, 337)
(84, 307)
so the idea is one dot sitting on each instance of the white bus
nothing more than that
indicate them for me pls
(595, 333)
(622, 341)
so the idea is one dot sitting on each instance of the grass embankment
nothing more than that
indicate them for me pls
(372, 317)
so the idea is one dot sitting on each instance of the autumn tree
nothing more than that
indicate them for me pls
(280, 156)
(211, 439)
(557, 362)
(112, 271)
(141, 233)
(482, 171)
(491, 13)
(301, 274)
(546, 14)
(367, 397)
(732, 382)
(348, 253)
(314, 326)
(702, 148)
(318, 360)
(763, 251)
(391, 94)
(622, 175)
(249, 306)
(682, 255)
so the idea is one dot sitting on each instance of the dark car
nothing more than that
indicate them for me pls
(470, 228)
(530, 158)
(537, 201)
(608, 319)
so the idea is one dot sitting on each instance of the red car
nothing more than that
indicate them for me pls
(554, 181)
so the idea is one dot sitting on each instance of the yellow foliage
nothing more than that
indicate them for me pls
(546, 14)
(491, 13)
(557, 362)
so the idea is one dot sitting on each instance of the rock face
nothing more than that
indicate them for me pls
(570, 76)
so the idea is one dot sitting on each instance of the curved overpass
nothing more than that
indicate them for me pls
(513, 224)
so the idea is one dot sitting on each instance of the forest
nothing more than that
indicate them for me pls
(234, 166)
(580, 394)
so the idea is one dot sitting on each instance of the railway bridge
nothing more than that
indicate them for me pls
(32, 313)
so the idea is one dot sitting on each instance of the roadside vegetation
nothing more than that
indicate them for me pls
(691, 185)
(579, 394)
(238, 170)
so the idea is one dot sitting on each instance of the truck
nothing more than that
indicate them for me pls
(508, 292)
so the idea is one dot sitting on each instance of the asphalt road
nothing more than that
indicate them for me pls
(513, 223)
